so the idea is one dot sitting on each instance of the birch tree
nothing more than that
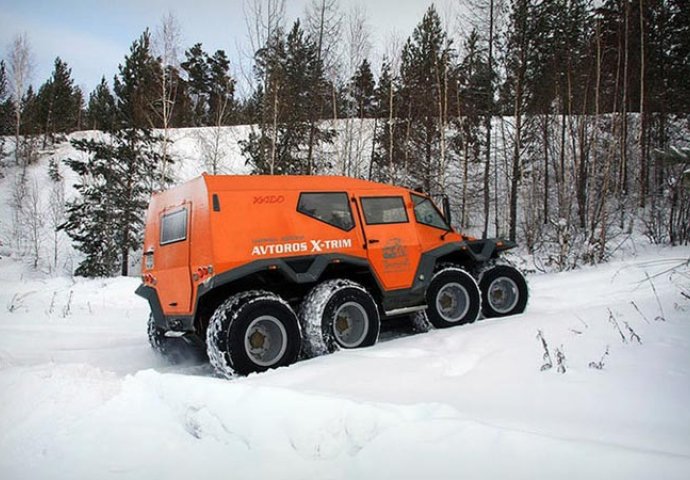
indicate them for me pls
(20, 68)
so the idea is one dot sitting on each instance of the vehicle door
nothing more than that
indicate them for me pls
(170, 260)
(392, 244)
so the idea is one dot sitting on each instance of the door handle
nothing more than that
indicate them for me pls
(373, 240)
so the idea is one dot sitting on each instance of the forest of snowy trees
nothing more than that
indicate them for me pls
(559, 124)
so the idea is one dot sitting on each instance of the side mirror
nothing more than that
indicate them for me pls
(446, 210)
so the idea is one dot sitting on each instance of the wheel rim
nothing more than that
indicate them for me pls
(350, 324)
(452, 302)
(503, 294)
(265, 340)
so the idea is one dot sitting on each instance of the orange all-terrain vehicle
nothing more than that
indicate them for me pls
(259, 269)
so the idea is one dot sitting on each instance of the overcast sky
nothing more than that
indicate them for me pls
(93, 36)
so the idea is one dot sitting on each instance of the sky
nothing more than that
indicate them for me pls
(94, 36)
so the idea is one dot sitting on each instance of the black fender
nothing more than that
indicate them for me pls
(150, 294)
(486, 249)
(181, 323)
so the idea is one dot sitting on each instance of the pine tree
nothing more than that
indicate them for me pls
(101, 108)
(118, 174)
(106, 220)
(30, 112)
(64, 99)
(475, 99)
(426, 61)
(473, 104)
(6, 114)
(362, 88)
(197, 83)
(221, 89)
(80, 102)
(289, 74)
(58, 103)
(387, 153)
(679, 53)
(91, 222)
(30, 127)
(6, 110)
(182, 114)
(136, 86)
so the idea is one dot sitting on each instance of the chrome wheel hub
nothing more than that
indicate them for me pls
(350, 324)
(265, 341)
(503, 294)
(452, 302)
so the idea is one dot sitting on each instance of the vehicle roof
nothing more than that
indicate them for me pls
(289, 182)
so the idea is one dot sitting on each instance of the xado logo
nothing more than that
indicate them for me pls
(269, 199)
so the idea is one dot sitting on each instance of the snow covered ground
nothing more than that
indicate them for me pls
(83, 397)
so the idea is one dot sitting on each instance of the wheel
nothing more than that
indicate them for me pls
(175, 350)
(252, 332)
(504, 291)
(453, 298)
(338, 314)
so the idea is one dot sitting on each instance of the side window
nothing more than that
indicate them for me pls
(426, 212)
(174, 227)
(330, 208)
(380, 210)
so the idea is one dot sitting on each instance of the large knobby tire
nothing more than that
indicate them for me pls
(504, 291)
(252, 332)
(338, 314)
(175, 350)
(453, 298)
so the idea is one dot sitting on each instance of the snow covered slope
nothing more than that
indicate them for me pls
(82, 396)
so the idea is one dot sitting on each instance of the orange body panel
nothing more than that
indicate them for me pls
(255, 218)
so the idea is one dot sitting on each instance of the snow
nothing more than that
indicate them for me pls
(83, 396)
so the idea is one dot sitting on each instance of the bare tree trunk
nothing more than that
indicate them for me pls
(624, 130)
(56, 216)
(515, 171)
(583, 184)
(167, 43)
(599, 207)
(49, 120)
(644, 167)
(391, 92)
(264, 18)
(20, 68)
(487, 165)
(465, 156)
(545, 141)
(34, 222)
(358, 46)
(595, 134)
(465, 181)
(442, 118)
(373, 148)
(518, 113)
(318, 20)
(274, 133)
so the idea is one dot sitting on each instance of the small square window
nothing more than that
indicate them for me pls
(174, 227)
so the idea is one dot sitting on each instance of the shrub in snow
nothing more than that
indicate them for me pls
(600, 364)
(548, 362)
